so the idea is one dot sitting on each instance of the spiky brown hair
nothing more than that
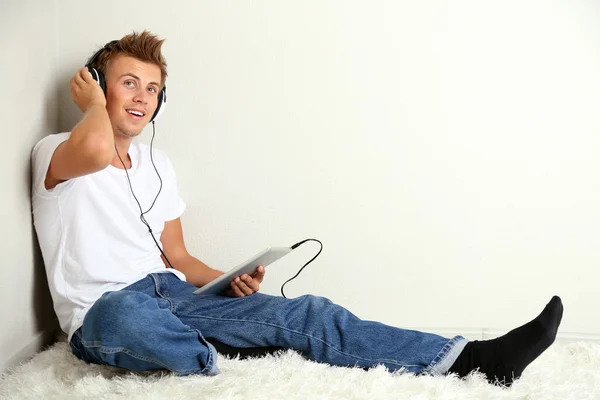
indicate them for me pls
(143, 46)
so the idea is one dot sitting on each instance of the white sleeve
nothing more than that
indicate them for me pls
(175, 205)
(40, 161)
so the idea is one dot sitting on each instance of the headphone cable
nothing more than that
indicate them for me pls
(142, 218)
(304, 266)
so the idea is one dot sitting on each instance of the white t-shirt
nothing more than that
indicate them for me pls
(89, 228)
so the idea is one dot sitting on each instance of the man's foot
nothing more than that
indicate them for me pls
(503, 359)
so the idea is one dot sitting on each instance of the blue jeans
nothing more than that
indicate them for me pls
(157, 323)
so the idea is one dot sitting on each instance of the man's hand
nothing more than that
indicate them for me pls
(85, 90)
(246, 285)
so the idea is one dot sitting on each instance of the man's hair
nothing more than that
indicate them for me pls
(143, 46)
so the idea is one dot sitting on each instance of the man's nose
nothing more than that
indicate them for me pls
(141, 97)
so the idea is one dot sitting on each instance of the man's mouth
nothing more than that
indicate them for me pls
(136, 114)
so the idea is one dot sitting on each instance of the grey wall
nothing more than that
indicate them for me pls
(446, 152)
(28, 44)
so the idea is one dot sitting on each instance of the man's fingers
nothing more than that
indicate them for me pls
(85, 75)
(236, 290)
(78, 78)
(250, 282)
(245, 283)
(259, 275)
(75, 83)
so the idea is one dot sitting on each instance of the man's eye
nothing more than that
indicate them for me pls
(128, 83)
(151, 89)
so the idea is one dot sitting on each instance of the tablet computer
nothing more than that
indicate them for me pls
(264, 258)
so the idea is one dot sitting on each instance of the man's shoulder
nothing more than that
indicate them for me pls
(56, 136)
(52, 140)
(157, 154)
(41, 156)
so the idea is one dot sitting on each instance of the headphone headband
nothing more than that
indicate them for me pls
(93, 58)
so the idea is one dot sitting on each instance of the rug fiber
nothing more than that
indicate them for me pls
(565, 371)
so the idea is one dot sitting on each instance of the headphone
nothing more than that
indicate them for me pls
(98, 76)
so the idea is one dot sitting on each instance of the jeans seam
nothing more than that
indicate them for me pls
(307, 335)
(160, 294)
(443, 353)
(127, 351)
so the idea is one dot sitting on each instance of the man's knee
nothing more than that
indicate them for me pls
(313, 304)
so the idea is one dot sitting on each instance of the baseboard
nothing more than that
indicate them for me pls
(486, 333)
(561, 337)
(37, 343)
(575, 337)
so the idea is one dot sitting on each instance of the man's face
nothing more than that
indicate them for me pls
(132, 88)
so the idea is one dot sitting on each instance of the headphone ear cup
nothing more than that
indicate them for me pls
(98, 77)
(162, 103)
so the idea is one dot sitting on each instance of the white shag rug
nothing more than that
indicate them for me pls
(565, 371)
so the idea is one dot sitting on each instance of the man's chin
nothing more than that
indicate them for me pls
(128, 132)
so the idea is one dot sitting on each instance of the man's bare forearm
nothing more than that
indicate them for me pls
(95, 132)
(196, 272)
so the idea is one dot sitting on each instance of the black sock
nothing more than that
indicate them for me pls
(503, 359)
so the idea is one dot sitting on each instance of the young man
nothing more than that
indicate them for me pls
(122, 304)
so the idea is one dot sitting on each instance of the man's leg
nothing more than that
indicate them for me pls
(325, 332)
(319, 329)
(135, 328)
